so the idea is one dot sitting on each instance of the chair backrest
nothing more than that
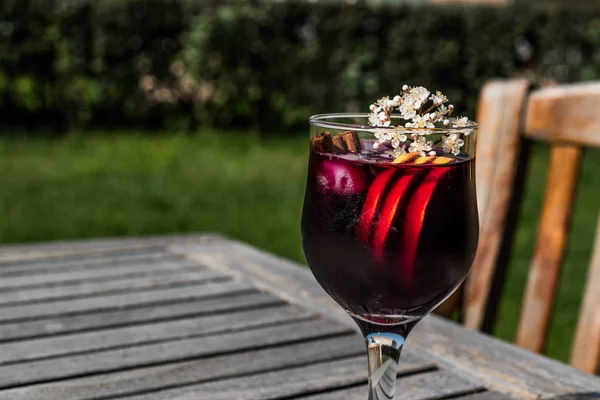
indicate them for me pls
(568, 118)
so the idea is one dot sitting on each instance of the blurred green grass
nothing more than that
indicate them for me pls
(250, 188)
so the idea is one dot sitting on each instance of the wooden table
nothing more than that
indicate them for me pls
(203, 317)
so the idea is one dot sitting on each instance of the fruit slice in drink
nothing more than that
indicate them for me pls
(394, 204)
(375, 196)
(415, 218)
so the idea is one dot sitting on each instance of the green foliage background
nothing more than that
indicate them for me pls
(266, 65)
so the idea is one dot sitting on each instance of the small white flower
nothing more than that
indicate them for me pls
(450, 108)
(372, 107)
(432, 153)
(421, 146)
(373, 119)
(382, 102)
(376, 145)
(397, 100)
(397, 138)
(399, 151)
(452, 143)
(462, 121)
(432, 117)
(442, 110)
(389, 103)
(420, 94)
(405, 88)
(438, 98)
(407, 110)
(383, 135)
(446, 122)
(422, 121)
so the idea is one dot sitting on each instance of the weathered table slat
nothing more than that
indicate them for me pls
(94, 273)
(89, 289)
(164, 352)
(89, 248)
(207, 318)
(429, 385)
(147, 333)
(488, 395)
(469, 354)
(24, 268)
(120, 301)
(90, 256)
(148, 379)
(131, 316)
(283, 383)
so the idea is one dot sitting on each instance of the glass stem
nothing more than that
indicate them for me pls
(384, 353)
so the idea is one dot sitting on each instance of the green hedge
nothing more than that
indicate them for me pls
(181, 63)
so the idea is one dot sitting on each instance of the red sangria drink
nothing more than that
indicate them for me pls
(390, 224)
(389, 241)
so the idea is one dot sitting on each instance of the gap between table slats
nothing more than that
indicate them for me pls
(176, 375)
(169, 310)
(311, 379)
(86, 289)
(116, 302)
(145, 355)
(156, 332)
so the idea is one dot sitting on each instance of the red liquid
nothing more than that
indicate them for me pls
(389, 242)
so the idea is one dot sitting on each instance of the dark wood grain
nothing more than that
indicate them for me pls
(146, 333)
(93, 273)
(91, 248)
(468, 354)
(95, 256)
(148, 379)
(566, 114)
(166, 352)
(430, 385)
(586, 349)
(297, 381)
(136, 315)
(121, 301)
(497, 167)
(550, 248)
(81, 289)
(485, 396)
(42, 268)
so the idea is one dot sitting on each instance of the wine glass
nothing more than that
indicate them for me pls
(389, 229)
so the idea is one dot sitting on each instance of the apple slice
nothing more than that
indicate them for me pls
(371, 205)
(414, 219)
(342, 178)
(395, 201)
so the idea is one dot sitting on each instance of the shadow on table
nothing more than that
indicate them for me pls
(578, 396)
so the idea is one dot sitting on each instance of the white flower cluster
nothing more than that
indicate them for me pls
(412, 105)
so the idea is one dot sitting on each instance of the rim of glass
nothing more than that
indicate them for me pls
(323, 121)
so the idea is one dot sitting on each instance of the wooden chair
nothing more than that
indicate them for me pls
(510, 115)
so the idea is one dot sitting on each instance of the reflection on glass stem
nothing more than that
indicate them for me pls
(383, 352)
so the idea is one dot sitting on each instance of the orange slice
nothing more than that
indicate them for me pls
(442, 160)
(405, 158)
(396, 200)
(371, 205)
(424, 160)
(414, 219)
